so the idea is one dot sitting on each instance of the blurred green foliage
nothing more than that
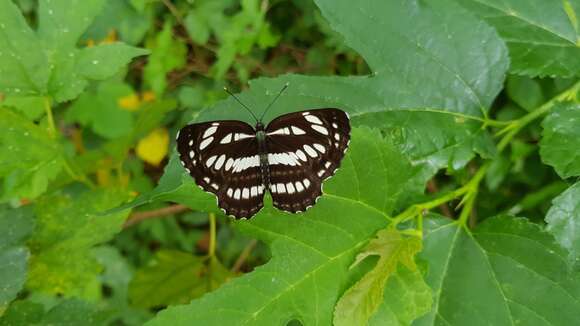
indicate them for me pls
(465, 108)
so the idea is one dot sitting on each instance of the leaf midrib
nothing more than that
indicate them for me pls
(525, 20)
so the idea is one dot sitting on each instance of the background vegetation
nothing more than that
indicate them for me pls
(458, 201)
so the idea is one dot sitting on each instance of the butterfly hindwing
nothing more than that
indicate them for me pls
(304, 149)
(222, 157)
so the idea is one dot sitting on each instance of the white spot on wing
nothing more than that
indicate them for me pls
(290, 187)
(254, 191)
(244, 136)
(301, 155)
(230, 192)
(206, 179)
(281, 188)
(337, 137)
(229, 164)
(299, 186)
(312, 119)
(310, 151)
(191, 142)
(227, 139)
(334, 125)
(205, 143)
(321, 172)
(220, 162)
(210, 161)
(237, 194)
(306, 183)
(320, 129)
(320, 148)
(246, 193)
(297, 131)
(210, 131)
(191, 154)
(327, 165)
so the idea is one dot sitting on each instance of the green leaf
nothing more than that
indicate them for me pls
(128, 19)
(117, 273)
(432, 40)
(406, 297)
(542, 36)
(40, 157)
(167, 54)
(21, 55)
(47, 63)
(67, 312)
(31, 106)
(311, 252)
(68, 226)
(508, 271)
(197, 27)
(101, 111)
(525, 91)
(563, 220)
(15, 226)
(363, 299)
(103, 61)
(175, 277)
(560, 144)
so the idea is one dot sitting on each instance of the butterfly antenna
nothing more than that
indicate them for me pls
(237, 99)
(274, 100)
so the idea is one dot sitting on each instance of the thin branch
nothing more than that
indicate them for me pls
(141, 216)
(244, 255)
(432, 188)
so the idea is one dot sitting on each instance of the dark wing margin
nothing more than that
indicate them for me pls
(222, 157)
(304, 149)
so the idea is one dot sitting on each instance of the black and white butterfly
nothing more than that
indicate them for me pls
(290, 157)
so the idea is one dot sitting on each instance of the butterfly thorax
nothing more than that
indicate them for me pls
(263, 154)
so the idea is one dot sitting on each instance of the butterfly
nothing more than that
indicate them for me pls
(290, 158)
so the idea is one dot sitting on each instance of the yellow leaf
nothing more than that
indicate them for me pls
(154, 147)
(129, 102)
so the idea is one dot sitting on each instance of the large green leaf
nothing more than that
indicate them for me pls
(508, 271)
(68, 226)
(47, 62)
(560, 144)
(563, 220)
(39, 157)
(175, 277)
(15, 226)
(542, 36)
(428, 87)
(311, 252)
(360, 302)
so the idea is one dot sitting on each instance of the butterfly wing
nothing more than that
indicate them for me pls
(304, 149)
(222, 157)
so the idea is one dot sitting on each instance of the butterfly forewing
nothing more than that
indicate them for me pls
(223, 158)
(304, 148)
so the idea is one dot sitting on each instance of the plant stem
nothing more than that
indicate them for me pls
(50, 119)
(516, 126)
(212, 235)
